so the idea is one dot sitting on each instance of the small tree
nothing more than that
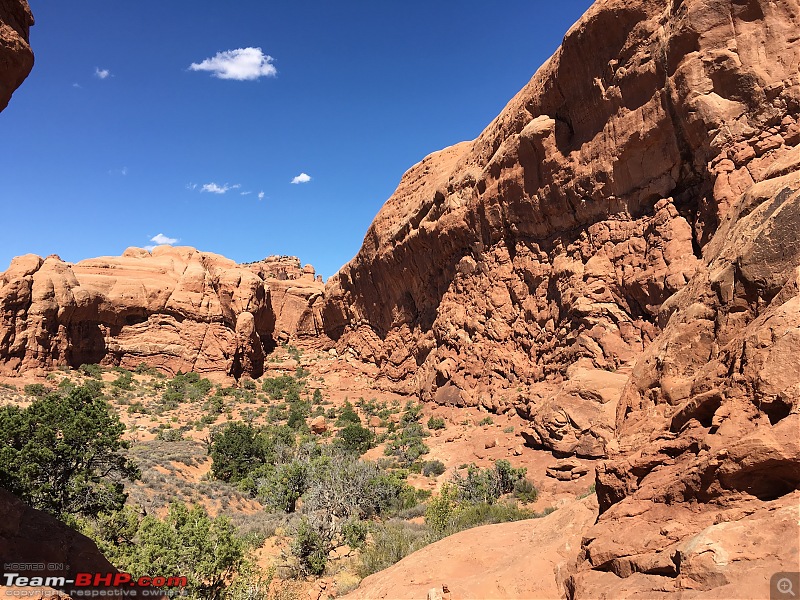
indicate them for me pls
(355, 438)
(64, 453)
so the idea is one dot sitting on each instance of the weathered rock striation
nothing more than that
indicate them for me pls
(16, 56)
(172, 308)
(616, 258)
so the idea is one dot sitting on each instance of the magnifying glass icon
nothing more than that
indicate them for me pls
(784, 586)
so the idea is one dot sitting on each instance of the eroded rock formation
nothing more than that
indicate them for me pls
(16, 56)
(174, 309)
(616, 258)
(560, 231)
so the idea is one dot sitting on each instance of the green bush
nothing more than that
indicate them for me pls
(94, 371)
(525, 491)
(433, 468)
(282, 486)
(277, 387)
(436, 423)
(35, 389)
(406, 444)
(186, 542)
(390, 543)
(348, 415)
(486, 421)
(64, 453)
(355, 438)
(124, 381)
(311, 547)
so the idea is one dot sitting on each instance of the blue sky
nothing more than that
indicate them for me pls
(114, 138)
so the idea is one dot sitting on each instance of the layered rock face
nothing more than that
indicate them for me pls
(174, 309)
(16, 57)
(560, 231)
(616, 258)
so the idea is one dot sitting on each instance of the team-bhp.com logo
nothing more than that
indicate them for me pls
(91, 581)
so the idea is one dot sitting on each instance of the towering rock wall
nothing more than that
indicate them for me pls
(557, 235)
(16, 56)
(174, 309)
(616, 258)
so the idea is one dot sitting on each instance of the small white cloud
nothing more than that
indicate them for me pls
(101, 73)
(302, 178)
(191, 186)
(260, 195)
(241, 64)
(245, 193)
(160, 239)
(123, 171)
(77, 85)
(218, 189)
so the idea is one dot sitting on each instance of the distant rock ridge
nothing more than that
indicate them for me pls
(16, 56)
(174, 308)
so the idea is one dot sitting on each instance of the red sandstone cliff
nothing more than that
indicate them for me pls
(616, 258)
(174, 309)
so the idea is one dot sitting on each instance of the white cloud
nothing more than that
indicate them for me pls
(191, 186)
(260, 195)
(123, 171)
(218, 189)
(101, 73)
(162, 239)
(77, 85)
(245, 193)
(241, 64)
(302, 178)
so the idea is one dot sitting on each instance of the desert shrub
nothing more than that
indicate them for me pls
(187, 541)
(35, 389)
(406, 445)
(475, 515)
(94, 371)
(441, 510)
(277, 387)
(170, 435)
(280, 487)
(486, 421)
(343, 486)
(486, 485)
(432, 468)
(525, 491)
(390, 543)
(354, 533)
(184, 386)
(353, 437)
(124, 381)
(317, 397)
(240, 448)
(311, 546)
(436, 423)
(347, 415)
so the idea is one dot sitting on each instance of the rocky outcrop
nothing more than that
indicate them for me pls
(16, 56)
(524, 559)
(707, 426)
(172, 308)
(632, 212)
(561, 230)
